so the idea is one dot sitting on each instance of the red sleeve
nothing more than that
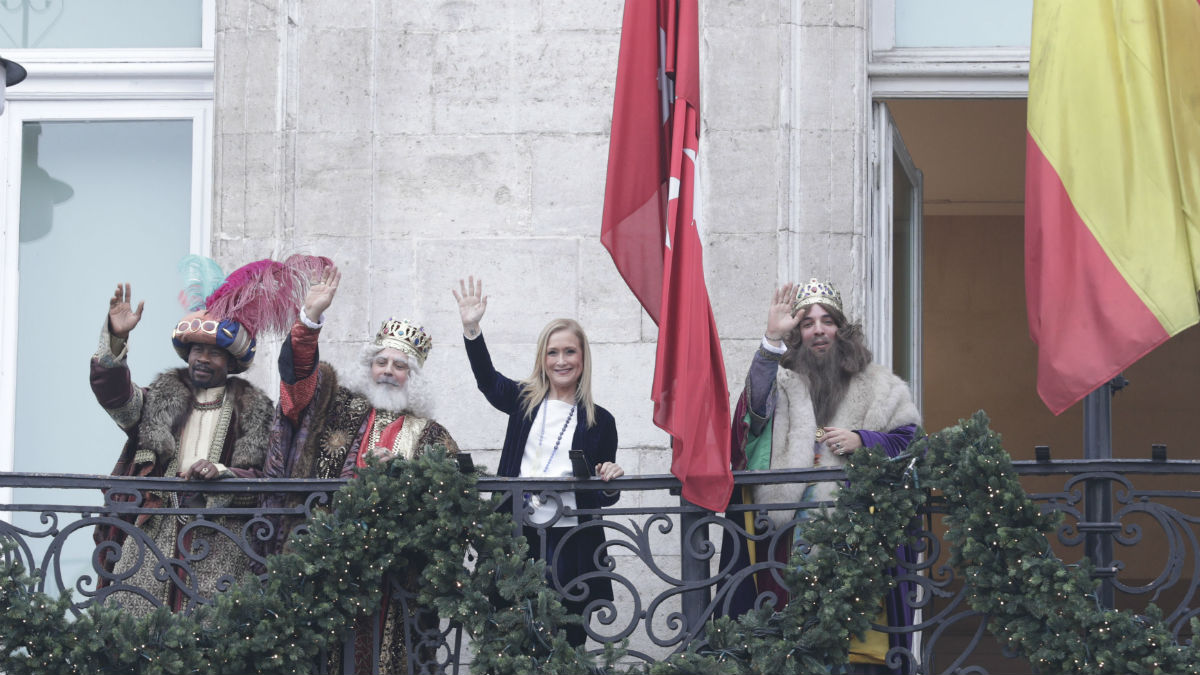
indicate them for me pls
(111, 385)
(298, 371)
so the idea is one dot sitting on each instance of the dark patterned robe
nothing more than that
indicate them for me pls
(153, 418)
(319, 432)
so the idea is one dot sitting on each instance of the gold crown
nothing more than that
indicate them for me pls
(817, 292)
(407, 337)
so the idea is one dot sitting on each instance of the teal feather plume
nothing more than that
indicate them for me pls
(201, 276)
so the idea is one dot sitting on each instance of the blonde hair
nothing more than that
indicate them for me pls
(535, 387)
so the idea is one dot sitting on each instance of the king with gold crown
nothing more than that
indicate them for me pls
(329, 422)
(813, 398)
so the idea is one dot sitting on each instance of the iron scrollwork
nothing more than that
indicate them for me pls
(661, 556)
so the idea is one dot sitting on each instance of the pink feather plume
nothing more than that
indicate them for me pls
(266, 295)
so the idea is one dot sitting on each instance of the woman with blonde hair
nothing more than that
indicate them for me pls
(551, 413)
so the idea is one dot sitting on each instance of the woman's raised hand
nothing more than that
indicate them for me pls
(472, 303)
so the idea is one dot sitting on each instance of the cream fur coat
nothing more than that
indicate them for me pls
(876, 400)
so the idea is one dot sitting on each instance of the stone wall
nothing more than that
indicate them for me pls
(419, 142)
(416, 143)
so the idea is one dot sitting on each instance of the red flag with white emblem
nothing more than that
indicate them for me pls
(635, 192)
(653, 157)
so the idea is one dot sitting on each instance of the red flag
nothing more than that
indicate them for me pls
(652, 164)
(690, 394)
(635, 192)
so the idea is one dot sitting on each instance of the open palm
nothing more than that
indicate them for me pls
(472, 303)
(780, 318)
(121, 316)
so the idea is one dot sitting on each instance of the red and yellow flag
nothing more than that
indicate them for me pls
(1112, 186)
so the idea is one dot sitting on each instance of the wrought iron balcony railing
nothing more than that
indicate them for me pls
(1136, 520)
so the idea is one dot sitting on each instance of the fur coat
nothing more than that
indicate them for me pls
(876, 400)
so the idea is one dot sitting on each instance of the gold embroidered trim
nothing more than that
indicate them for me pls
(130, 413)
(214, 448)
(104, 354)
(348, 410)
(381, 421)
(406, 441)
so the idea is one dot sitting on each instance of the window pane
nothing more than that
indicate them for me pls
(963, 23)
(101, 203)
(100, 23)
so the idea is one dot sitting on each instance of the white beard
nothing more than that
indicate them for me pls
(386, 396)
(413, 397)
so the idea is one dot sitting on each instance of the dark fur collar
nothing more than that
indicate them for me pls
(168, 403)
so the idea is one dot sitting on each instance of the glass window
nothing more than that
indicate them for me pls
(100, 23)
(101, 203)
(963, 23)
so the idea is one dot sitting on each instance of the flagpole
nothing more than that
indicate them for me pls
(1099, 527)
(694, 567)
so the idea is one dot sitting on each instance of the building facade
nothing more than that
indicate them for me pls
(875, 143)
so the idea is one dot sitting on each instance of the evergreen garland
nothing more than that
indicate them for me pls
(840, 582)
(1039, 607)
(391, 518)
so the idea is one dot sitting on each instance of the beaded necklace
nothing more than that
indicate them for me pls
(215, 404)
(542, 435)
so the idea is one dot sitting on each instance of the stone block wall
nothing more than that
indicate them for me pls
(419, 142)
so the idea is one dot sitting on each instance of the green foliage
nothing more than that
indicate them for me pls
(839, 585)
(1039, 607)
(400, 516)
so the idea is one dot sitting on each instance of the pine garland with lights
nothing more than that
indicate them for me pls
(392, 517)
(1039, 606)
(423, 513)
(839, 585)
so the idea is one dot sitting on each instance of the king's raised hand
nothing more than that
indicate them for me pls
(121, 316)
(780, 318)
(320, 294)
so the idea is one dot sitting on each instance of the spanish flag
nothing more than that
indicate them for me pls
(1112, 186)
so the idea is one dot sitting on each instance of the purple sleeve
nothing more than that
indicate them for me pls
(760, 383)
(893, 442)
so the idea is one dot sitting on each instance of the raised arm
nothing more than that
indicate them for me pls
(504, 394)
(299, 356)
(320, 295)
(110, 380)
(761, 379)
(781, 318)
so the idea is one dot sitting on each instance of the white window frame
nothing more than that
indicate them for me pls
(97, 85)
(952, 72)
(887, 145)
(910, 73)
